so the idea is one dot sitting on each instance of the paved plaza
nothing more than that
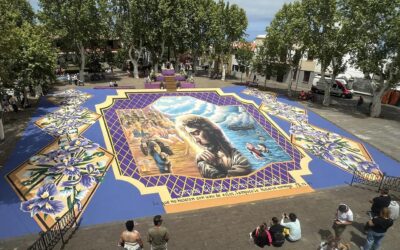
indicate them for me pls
(319, 184)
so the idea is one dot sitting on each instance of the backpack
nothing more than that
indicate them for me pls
(279, 239)
(394, 210)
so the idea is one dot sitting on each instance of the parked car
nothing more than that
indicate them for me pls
(340, 88)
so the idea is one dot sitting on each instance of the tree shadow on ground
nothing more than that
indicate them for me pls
(357, 239)
(359, 226)
(325, 234)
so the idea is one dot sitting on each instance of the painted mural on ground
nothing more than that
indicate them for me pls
(343, 152)
(198, 145)
(65, 174)
(67, 120)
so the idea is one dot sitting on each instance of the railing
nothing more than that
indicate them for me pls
(376, 180)
(50, 238)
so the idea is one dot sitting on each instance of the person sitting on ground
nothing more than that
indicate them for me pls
(302, 95)
(261, 236)
(292, 230)
(158, 235)
(380, 202)
(130, 239)
(113, 84)
(276, 231)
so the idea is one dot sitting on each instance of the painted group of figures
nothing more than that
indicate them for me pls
(218, 158)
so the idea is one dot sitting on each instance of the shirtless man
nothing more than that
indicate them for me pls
(130, 239)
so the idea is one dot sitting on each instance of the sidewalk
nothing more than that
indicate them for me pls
(228, 227)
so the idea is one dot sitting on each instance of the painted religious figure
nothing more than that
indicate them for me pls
(218, 159)
(191, 137)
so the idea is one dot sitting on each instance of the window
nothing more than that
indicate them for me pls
(306, 76)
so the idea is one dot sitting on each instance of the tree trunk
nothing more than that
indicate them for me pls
(26, 101)
(83, 58)
(223, 70)
(376, 105)
(290, 82)
(195, 64)
(134, 62)
(327, 94)
(162, 49)
(210, 63)
(1, 124)
(265, 80)
(327, 85)
(156, 68)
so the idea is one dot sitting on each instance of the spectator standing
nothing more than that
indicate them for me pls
(75, 78)
(13, 101)
(158, 235)
(344, 217)
(69, 79)
(377, 229)
(276, 231)
(380, 202)
(130, 239)
(261, 236)
(394, 210)
(293, 229)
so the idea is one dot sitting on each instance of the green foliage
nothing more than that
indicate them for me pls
(77, 25)
(27, 55)
(244, 54)
(376, 23)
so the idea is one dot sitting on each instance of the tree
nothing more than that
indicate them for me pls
(35, 63)
(230, 23)
(26, 54)
(76, 22)
(270, 59)
(287, 31)
(13, 14)
(244, 55)
(199, 27)
(377, 48)
(326, 39)
(131, 28)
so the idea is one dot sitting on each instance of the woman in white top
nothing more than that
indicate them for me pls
(130, 239)
(293, 230)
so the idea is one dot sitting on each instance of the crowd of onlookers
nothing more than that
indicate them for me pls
(382, 215)
(383, 212)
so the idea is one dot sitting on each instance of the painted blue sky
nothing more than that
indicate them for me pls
(259, 13)
(225, 117)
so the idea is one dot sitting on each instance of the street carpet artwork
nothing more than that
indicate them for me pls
(65, 174)
(146, 152)
(347, 154)
(200, 148)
